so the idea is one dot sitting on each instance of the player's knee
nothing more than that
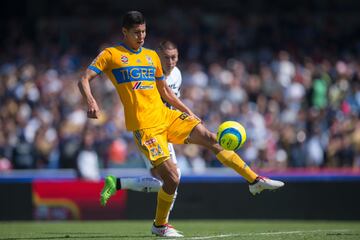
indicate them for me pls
(212, 137)
(214, 146)
(201, 135)
(171, 182)
(154, 173)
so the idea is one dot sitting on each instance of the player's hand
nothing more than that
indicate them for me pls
(93, 110)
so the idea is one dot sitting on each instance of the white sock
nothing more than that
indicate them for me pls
(127, 183)
(141, 184)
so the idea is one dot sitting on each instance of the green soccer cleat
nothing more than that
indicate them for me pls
(108, 190)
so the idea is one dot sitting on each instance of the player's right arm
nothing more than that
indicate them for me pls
(99, 64)
(85, 90)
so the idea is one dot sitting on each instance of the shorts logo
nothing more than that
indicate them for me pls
(183, 116)
(150, 141)
(138, 85)
(156, 151)
(124, 59)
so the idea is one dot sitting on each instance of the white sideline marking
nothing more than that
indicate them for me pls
(261, 233)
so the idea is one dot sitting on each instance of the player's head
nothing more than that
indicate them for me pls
(169, 55)
(134, 29)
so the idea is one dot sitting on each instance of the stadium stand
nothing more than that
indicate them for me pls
(291, 76)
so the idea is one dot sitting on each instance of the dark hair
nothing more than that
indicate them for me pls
(132, 18)
(167, 45)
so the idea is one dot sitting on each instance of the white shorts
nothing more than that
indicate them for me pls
(172, 153)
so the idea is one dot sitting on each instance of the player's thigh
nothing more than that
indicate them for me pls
(153, 170)
(180, 128)
(202, 136)
(154, 173)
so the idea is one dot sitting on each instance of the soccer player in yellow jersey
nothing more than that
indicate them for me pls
(168, 53)
(137, 75)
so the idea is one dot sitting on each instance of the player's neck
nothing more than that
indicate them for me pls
(166, 73)
(128, 46)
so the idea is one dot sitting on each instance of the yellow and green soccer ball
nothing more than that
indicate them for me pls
(231, 135)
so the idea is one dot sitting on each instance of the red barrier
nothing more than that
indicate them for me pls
(78, 200)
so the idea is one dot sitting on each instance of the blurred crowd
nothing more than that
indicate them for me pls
(293, 81)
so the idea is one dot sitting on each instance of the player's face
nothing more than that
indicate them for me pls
(169, 59)
(134, 37)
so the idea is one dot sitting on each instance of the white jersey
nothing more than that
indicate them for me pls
(174, 81)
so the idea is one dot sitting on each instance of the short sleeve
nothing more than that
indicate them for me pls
(159, 75)
(101, 62)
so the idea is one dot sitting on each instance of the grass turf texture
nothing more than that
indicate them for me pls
(192, 229)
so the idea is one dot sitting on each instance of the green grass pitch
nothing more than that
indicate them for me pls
(192, 229)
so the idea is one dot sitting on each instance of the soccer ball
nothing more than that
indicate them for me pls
(231, 135)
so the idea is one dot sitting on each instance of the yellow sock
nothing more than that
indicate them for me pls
(232, 160)
(164, 202)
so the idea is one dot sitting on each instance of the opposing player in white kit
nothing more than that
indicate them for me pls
(168, 54)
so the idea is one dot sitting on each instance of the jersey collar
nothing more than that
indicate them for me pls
(130, 49)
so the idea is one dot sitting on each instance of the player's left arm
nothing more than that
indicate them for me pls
(169, 96)
(165, 92)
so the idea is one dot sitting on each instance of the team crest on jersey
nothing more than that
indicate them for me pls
(124, 59)
(149, 60)
(138, 61)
